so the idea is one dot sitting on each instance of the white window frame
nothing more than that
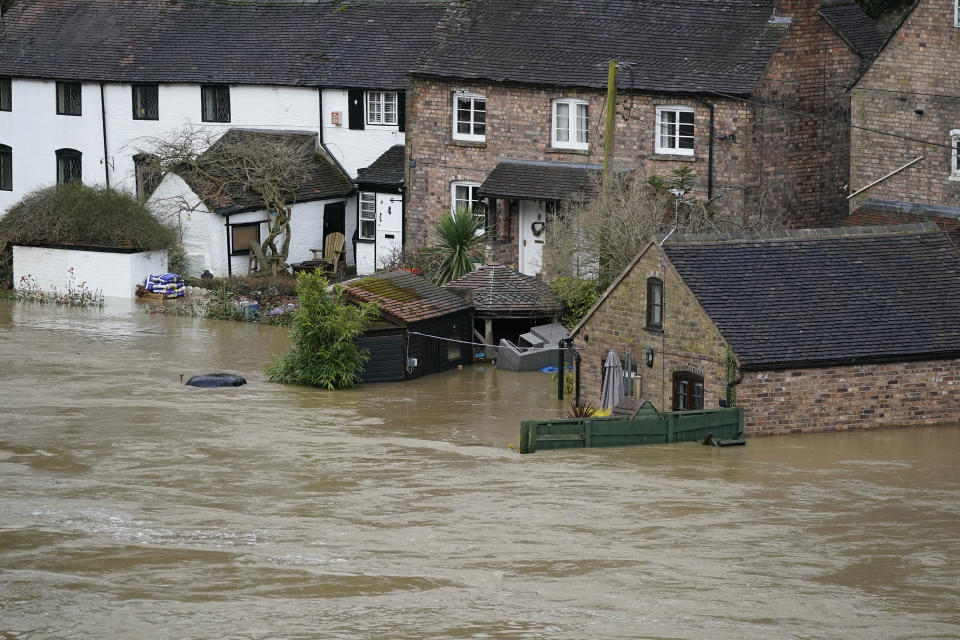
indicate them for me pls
(955, 152)
(956, 13)
(473, 98)
(368, 213)
(471, 193)
(658, 133)
(381, 108)
(570, 124)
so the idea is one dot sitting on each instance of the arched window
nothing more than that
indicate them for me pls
(69, 165)
(687, 391)
(6, 168)
(146, 168)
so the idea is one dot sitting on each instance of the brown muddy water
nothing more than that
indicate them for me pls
(134, 507)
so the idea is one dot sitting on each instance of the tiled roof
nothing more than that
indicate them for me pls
(326, 179)
(499, 291)
(666, 45)
(854, 26)
(405, 297)
(361, 43)
(537, 180)
(887, 213)
(388, 169)
(833, 296)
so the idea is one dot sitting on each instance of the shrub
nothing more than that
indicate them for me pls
(460, 241)
(577, 296)
(75, 214)
(324, 332)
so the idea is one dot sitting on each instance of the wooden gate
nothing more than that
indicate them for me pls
(645, 428)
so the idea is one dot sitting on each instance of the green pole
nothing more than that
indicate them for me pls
(611, 119)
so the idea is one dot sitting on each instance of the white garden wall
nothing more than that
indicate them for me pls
(115, 274)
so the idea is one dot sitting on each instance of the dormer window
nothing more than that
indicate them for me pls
(570, 124)
(469, 117)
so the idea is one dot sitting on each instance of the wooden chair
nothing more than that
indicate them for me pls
(333, 252)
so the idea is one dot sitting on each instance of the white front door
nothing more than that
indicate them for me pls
(533, 224)
(389, 227)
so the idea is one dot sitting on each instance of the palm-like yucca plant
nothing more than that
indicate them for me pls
(460, 241)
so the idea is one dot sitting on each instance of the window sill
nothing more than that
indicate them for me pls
(476, 144)
(673, 157)
(654, 329)
(366, 240)
(955, 178)
(578, 152)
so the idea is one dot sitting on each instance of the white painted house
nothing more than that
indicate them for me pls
(86, 84)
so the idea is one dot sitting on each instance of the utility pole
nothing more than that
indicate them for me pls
(611, 120)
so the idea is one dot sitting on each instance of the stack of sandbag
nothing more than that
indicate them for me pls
(170, 285)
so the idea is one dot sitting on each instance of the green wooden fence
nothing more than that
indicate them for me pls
(645, 428)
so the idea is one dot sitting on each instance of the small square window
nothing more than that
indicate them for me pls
(654, 303)
(382, 107)
(215, 103)
(469, 117)
(69, 98)
(240, 237)
(687, 391)
(69, 165)
(146, 102)
(6, 168)
(6, 97)
(674, 133)
(570, 124)
(368, 216)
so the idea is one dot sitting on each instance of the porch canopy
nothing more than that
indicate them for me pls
(539, 180)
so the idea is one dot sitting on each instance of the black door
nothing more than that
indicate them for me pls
(334, 219)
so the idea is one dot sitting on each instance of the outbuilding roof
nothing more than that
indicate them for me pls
(502, 292)
(830, 296)
(539, 180)
(361, 43)
(324, 180)
(663, 45)
(404, 297)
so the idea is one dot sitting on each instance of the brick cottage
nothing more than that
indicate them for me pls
(811, 330)
(506, 110)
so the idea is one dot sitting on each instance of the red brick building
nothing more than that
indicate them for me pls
(507, 108)
(910, 90)
(813, 330)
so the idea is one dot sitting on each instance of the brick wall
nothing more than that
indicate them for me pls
(851, 397)
(518, 127)
(802, 142)
(918, 70)
(689, 340)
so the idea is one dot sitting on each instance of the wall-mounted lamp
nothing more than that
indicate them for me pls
(732, 137)
(919, 112)
(649, 356)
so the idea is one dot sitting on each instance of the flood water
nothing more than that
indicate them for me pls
(134, 507)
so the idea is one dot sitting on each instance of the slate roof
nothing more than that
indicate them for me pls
(539, 180)
(387, 170)
(361, 43)
(499, 292)
(404, 297)
(827, 297)
(670, 45)
(855, 27)
(326, 179)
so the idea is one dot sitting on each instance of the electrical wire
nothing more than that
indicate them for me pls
(479, 344)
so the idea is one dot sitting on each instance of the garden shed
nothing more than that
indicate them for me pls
(807, 330)
(422, 328)
(507, 303)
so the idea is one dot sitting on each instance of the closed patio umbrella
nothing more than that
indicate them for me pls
(612, 392)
